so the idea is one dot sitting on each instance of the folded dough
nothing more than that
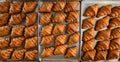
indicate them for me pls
(4, 19)
(4, 7)
(115, 22)
(115, 33)
(114, 44)
(115, 11)
(4, 30)
(113, 54)
(59, 28)
(4, 42)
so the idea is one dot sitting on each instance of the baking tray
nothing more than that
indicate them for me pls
(84, 5)
(57, 57)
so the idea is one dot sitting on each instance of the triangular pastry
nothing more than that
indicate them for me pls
(103, 35)
(115, 11)
(88, 34)
(59, 28)
(115, 22)
(91, 10)
(88, 22)
(102, 23)
(104, 10)
(113, 54)
(115, 33)
(115, 44)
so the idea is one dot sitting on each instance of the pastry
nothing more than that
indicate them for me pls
(71, 5)
(73, 16)
(72, 27)
(91, 10)
(113, 54)
(103, 35)
(5, 54)
(4, 42)
(114, 44)
(88, 22)
(71, 52)
(4, 7)
(114, 22)
(88, 45)
(115, 33)
(47, 52)
(88, 34)
(17, 42)
(4, 19)
(15, 7)
(45, 18)
(59, 5)
(16, 19)
(59, 17)
(4, 30)
(46, 30)
(103, 45)
(89, 55)
(104, 10)
(59, 29)
(29, 6)
(60, 49)
(46, 40)
(31, 19)
(46, 7)
(74, 38)
(31, 42)
(30, 31)
(18, 54)
(60, 39)
(30, 55)
(102, 23)
(17, 31)
(115, 11)
(101, 55)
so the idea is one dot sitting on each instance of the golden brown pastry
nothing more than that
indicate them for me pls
(59, 5)
(31, 19)
(60, 39)
(4, 7)
(114, 44)
(46, 40)
(115, 11)
(103, 35)
(17, 31)
(45, 18)
(73, 16)
(89, 55)
(17, 42)
(104, 10)
(16, 19)
(4, 19)
(5, 54)
(101, 55)
(115, 33)
(88, 22)
(102, 23)
(18, 54)
(60, 49)
(114, 22)
(30, 31)
(31, 42)
(15, 7)
(46, 7)
(71, 5)
(71, 52)
(88, 45)
(46, 30)
(88, 34)
(47, 52)
(113, 54)
(59, 29)
(4, 42)
(29, 6)
(103, 45)
(4, 30)
(30, 55)
(74, 38)
(59, 17)
(91, 10)
(72, 27)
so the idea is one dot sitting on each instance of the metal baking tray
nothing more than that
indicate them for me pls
(57, 57)
(84, 5)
